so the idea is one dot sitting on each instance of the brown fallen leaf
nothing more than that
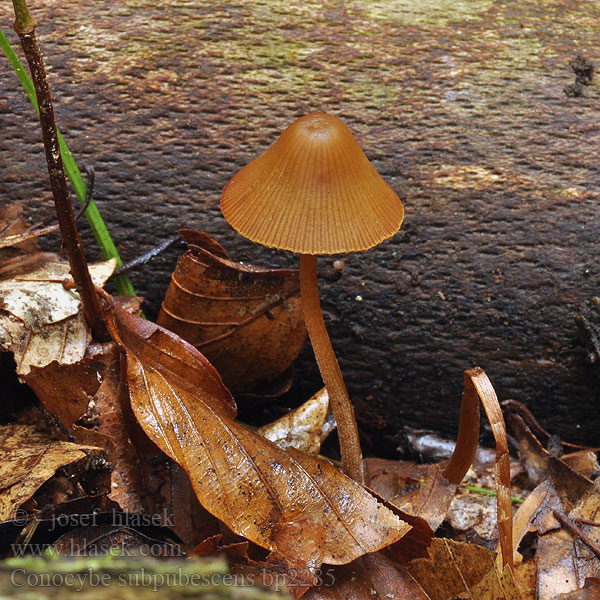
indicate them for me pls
(304, 428)
(370, 577)
(28, 459)
(391, 477)
(564, 560)
(40, 316)
(143, 479)
(536, 513)
(66, 390)
(246, 320)
(417, 490)
(430, 501)
(15, 232)
(126, 483)
(258, 490)
(459, 570)
(590, 591)
(541, 465)
(585, 462)
(277, 574)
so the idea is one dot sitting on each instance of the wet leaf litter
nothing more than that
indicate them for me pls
(279, 508)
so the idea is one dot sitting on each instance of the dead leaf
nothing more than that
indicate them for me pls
(430, 501)
(541, 465)
(458, 570)
(304, 428)
(246, 320)
(28, 459)
(27, 236)
(66, 390)
(126, 484)
(277, 574)
(590, 591)
(40, 318)
(390, 478)
(258, 490)
(14, 231)
(564, 560)
(370, 577)
(536, 513)
(585, 462)
(417, 490)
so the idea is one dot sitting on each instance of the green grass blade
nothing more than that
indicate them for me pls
(103, 239)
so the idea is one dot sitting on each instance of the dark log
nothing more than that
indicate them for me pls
(462, 109)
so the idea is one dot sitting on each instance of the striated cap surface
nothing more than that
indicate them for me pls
(313, 192)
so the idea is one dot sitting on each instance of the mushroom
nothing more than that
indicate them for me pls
(315, 192)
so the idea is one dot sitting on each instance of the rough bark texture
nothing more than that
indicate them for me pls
(460, 105)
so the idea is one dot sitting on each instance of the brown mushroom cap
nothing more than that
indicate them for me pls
(313, 192)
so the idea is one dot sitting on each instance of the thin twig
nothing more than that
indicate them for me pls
(519, 408)
(586, 522)
(25, 28)
(141, 260)
(576, 531)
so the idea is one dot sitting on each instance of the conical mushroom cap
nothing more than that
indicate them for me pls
(313, 192)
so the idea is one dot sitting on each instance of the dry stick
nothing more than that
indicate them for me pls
(330, 370)
(25, 28)
(577, 531)
(142, 260)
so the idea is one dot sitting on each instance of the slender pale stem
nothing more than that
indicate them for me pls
(330, 370)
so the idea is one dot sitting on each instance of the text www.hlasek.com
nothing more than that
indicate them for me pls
(143, 578)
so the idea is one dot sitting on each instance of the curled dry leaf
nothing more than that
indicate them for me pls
(536, 512)
(458, 570)
(258, 490)
(247, 321)
(304, 428)
(28, 459)
(40, 316)
(477, 385)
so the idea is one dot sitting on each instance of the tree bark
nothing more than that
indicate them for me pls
(460, 107)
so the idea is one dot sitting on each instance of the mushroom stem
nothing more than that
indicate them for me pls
(330, 370)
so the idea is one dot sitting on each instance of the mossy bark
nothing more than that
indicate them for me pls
(460, 107)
